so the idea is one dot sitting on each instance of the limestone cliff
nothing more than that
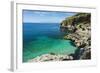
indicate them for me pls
(79, 27)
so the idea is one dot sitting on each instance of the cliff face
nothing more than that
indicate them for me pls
(77, 21)
(79, 27)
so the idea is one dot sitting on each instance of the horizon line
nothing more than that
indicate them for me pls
(39, 22)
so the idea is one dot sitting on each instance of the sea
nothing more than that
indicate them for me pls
(44, 38)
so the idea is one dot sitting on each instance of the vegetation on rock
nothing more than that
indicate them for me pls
(79, 27)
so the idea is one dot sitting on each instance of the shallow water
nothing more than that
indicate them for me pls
(40, 38)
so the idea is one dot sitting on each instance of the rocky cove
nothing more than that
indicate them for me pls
(78, 29)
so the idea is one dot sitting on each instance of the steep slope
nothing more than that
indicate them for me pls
(79, 27)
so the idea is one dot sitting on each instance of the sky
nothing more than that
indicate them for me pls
(33, 16)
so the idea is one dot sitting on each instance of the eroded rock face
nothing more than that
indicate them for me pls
(72, 22)
(80, 35)
(51, 57)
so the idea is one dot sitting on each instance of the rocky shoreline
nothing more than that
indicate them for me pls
(80, 33)
(79, 28)
(51, 57)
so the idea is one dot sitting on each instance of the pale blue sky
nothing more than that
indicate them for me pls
(31, 16)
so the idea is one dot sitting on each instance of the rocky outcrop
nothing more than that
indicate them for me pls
(51, 57)
(71, 23)
(79, 27)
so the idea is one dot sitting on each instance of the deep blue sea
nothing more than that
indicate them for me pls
(33, 30)
(43, 38)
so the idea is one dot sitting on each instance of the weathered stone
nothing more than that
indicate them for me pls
(49, 57)
(82, 34)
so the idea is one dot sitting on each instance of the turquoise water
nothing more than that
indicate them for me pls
(38, 41)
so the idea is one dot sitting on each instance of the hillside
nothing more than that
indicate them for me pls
(79, 27)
